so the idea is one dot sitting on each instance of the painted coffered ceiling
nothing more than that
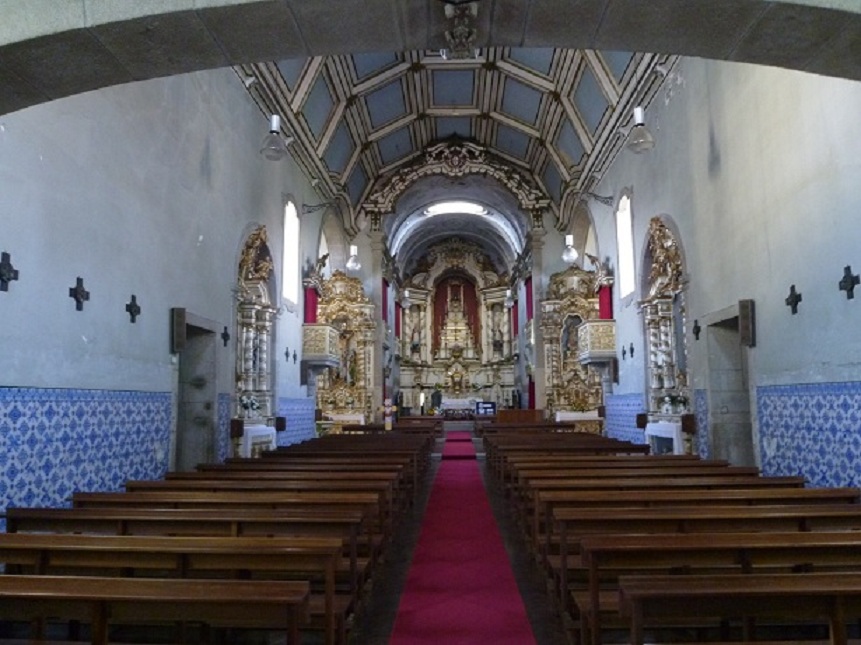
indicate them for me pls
(553, 114)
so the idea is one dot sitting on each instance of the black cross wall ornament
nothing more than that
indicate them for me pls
(79, 294)
(133, 308)
(697, 329)
(793, 299)
(287, 354)
(848, 281)
(225, 336)
(8, 273)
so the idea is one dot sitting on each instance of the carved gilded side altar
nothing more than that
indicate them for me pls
(345, 328)
(574, 341)
(666, 353)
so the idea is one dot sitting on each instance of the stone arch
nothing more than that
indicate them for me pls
(101, 44)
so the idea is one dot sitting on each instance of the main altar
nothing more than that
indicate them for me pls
(456, 341)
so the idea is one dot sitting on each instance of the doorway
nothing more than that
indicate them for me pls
(196, 409)
(730, 423)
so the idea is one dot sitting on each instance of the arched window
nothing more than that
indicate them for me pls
(290, 263)
(625, 247)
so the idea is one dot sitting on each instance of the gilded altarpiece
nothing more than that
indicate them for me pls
(569, 309)
(346, 391)
(456, 342)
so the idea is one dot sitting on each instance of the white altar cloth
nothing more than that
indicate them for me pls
(256, 439)
(459, 404)
(667, 430)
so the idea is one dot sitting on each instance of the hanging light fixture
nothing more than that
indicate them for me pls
(570, 254)
(353, 263)
(509, 299)
(274, 146)
(640, 139)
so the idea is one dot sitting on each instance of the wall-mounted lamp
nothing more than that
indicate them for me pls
(570, 254)
(509, 299)
(353, 263)
(631, 350)
(274, 146)
(405, 299)
(640, 139)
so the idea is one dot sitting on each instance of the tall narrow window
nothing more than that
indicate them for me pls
(290, 273)
(625, 247)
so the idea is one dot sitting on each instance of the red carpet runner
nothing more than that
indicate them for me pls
(460, 589)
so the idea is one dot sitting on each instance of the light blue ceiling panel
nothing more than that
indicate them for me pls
(535, 58)
(453, 87)
(386, 104)
(590, 100)
(569, 145)
(291, 69)
(450, 125)
(552, 181)
(318, 106)
(617, 62)
(340, 149)
(395, 145)
(367, 64)
(356, 183)
(511, 141)
(520, 101)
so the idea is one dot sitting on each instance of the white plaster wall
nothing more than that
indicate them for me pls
(758, 169)
(146, 188)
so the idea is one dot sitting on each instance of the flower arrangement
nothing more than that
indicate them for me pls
(249, 403)
(676, 400)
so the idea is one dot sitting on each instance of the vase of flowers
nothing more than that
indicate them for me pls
(674, 404)
(249, 404)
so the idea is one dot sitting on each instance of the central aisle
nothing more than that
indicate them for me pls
(460, 589)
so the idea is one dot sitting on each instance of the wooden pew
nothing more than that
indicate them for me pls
(256, 604)
(802, 597)
(603, 557)
(549, 501)
(383, 486)
(188, 557)
(576, 524)
(345, 524)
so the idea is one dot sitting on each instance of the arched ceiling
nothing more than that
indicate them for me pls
(553, 116)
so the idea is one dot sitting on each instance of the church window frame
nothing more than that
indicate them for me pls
(290, 274)
(627, 278)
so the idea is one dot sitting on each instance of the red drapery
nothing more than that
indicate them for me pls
(605, 302)
(398, 321)
(515, 320)
(310, 305)
(531, 394)
(470, 307)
